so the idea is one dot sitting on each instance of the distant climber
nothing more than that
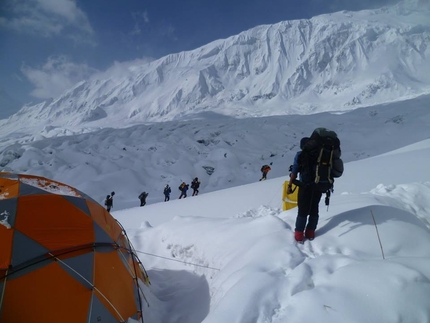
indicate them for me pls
(183, 188)
(109, 201)
(142, 198)
(195, 184)
(166, 193)
(264, 170)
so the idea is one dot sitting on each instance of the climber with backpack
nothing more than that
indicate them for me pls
(265, 169)
(195, 184)
(316, 166)
(142, 197)
(166, 192)
(183, 188)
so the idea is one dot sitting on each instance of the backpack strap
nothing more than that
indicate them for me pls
(330, 164)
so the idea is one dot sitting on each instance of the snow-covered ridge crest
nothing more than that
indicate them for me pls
(333, 62)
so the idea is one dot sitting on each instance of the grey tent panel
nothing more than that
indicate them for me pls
(30, 258)
(78, 202)
(99, 313)
(25, 249)
(101, 235)
(9, 175)
(87, 197)
(8, 212)
(80, 268)
(25, 189)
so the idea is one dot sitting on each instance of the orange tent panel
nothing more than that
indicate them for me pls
(113, 282)
(49, 294)
(9, 188)
(51, 221)
(6, 238)
(104, 220)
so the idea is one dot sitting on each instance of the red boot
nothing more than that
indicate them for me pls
(298, 235)
(310, 234)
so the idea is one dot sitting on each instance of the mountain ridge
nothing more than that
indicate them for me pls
(333, 62)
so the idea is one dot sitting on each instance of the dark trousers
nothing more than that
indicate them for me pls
(166, 198)
(195, 191)
(142, 202)
(308, 202)
(264, 176)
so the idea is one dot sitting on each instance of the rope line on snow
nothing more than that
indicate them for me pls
(277, 193)
(377, 233)
(171, 259)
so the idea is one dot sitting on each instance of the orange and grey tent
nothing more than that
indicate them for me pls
(63, 257)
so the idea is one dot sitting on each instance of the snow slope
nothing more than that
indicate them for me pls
(229, 256)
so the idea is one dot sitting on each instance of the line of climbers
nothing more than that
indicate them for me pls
(183, 188)
(315, 166)
(195, 184)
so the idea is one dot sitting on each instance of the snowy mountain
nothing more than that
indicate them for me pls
(334, 62)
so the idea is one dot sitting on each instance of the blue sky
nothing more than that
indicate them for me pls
(46, 46)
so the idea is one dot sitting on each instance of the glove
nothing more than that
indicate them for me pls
(289, 190)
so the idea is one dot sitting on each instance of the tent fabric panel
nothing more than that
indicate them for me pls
(123, 242)
(18, 271)
(135, 267)
(74, 251)
(6, 237)
(25, 249)
(8, 175)
(7, 222)
(129, 263)
(125, 257)
(105, 220)
(101, 236)
(113, 280)
(80, 268)
(25, 189)
(53, 222)
(48, 185)
(8, 212)
(79, 203)
(99, 313)
(86, 197)
(45, 295)
(9, 188)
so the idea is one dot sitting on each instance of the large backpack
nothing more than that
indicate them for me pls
(319, 161)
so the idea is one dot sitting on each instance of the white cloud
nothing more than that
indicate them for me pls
(145, 16)
(120, 69)
(138, 18)
(47, 18)
(56, 76)
(59, 74)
